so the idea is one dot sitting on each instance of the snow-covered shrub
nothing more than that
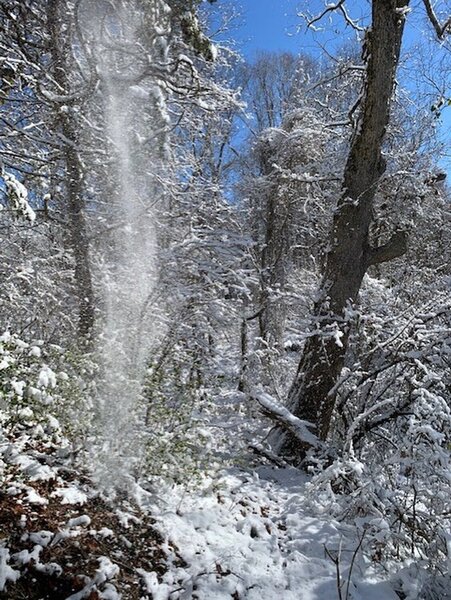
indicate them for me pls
(37, 295)
(41, 386)
(76, 389)
(17, 195)
(392, 432)
(28, 386)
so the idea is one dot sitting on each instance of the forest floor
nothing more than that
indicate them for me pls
(246, 532)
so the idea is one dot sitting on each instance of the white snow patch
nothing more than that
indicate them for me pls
(159, 591)
(42, 538)
(82, 520)
(70, 495)
(255, 537)
(47, 378)
(33, 497)
(6, 572)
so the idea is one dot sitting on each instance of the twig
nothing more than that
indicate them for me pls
(340, 7)
(440, 30)
(351, 566)
(328, 9)
(336, 560)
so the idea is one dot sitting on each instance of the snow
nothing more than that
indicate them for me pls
(42, 538)
(245, 532)
(18, 387)
(297, 426)
(18, 196)
(6, 572)
(253, 533)
(53, 423)
(35, 351)
(31, 467)
(159, 591)
(337, 336)
(139, 93)
(82, 520)
(373, 590)
(47, 378)
(109, 592)
(107, 570)
(105, 532)
(70, 495)
(403, 11)
(214, 51)
(257, 538)
(25, 556)
(34, 498)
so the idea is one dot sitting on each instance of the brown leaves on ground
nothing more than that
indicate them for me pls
(73, 553)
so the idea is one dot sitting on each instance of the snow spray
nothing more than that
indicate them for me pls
(129, 270)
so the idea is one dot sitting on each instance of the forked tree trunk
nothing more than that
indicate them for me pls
(312, 396)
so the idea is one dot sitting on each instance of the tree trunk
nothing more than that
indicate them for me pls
(273, 277)
(74, 173)
(274, 250)
(79, 237)
(312, 395)
(244, 347)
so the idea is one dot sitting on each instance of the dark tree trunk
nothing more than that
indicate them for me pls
(78, 233)
(312, 396)
(59, 49)
(273, 277)
(244, 347)
(274, 251)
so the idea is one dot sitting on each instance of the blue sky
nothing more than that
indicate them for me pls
(269, 25)
(274, 25)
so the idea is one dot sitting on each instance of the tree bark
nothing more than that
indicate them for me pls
(274, 250)
(74, 172)
(312, 396)
(273, 277)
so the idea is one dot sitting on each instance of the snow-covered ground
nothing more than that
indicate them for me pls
(253, 532)
(251, 535)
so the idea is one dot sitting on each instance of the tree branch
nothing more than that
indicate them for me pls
(440, 29)
(394, 248)
(286, 420)
(340, 7)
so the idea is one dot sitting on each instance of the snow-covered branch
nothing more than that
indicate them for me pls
(440, 28)
(18, 196)
(285, 419)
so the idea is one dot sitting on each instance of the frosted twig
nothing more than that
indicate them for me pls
(440, 29)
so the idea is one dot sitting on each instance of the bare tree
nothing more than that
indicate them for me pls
(350, 254)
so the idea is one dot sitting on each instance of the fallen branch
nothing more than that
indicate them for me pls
(286, 420)
(261, 451)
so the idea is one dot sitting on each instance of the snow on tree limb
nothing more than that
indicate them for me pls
(283, 417)
(440, 29)
(339, 7)
(18, 196)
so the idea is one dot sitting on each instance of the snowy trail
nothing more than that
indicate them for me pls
(250, 536)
